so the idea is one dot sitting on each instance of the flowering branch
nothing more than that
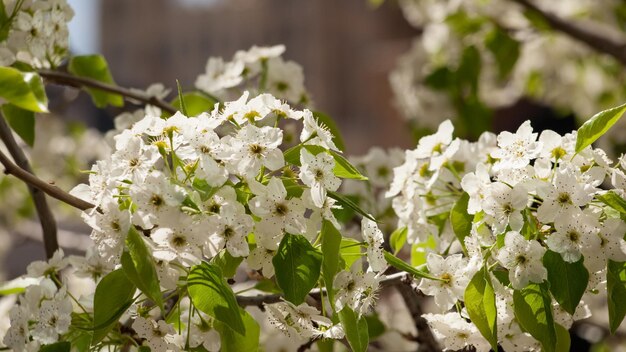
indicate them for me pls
(65, 79)
(46, 218)
(34, 181)
(592, 39)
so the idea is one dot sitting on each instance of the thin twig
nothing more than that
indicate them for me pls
(592, 39)
(425, 337)
(34, 181)
(46, 218)
(66, 79)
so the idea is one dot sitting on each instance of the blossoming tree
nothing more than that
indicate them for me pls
(510, 234)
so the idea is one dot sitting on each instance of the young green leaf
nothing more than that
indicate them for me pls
(420, 250)
(331, 243)
(298, 267)
(95, 67)
(211, 294)
(613, 200)
(597, 125)
(17, 285)
(397, 239)
(533, 311)
(138, 266)
(23, 89)
(568, 281)
(460, 220)
(355, 328)
(480, 301)
(21, 121)
(181, 99)
(505, 50)
(616, 293)
(563, 340)
(114, 294)
(350, 252)
(233, 341)
(346, 202)
(63, 346)
(227, 263)
(401, 265)
(344, 169)
(195, 103)
(332, 127)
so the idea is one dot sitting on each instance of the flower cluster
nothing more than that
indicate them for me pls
(502, 55)
(36, 32)
(260, 69)
(515, 203)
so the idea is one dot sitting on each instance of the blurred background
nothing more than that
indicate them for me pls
(347, 49)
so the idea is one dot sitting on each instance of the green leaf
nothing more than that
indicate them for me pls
(63, 346)
(21, 121)
(332, 127)
(480, 301)
(346, 202)
(563, 340)
(350, 251)
(568, 281)
(401, 265)
(232, 341)
(616, 293)
(397, 239)
(460, 220)
(181, 99)
(419, 251)
(95, 67)
(17, 285)
(138, 266)
(297, 266)
(195, 103)
(331, 243)
(375, 327)
(23, 89)
(355, 328)
(597, 125)
(613, 200)
(227, 263)
(114, 295)
(504, 48)
(344, 169)
(211, 294)
(533, 311)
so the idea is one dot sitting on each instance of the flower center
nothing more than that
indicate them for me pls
(564, 198)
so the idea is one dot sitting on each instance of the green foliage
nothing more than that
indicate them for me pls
(613, 200)
(331, 243)
(402, 265)
(397, 239)
(355, 328)
(21, 121)
(181, 99)
(480, 301)
(227, 263)
(375, 327)
(504, 48)
(95, 67)
(344, 169)
(568, 281)
(114, 295)
(138, 266)
(460, 220)
(62, 346)
(23, 89)
(233, 341)
(298, 267)
(419, 251)
(332, 127)
(533, 311)
(195, 103)
(350, 251)
(348, 203)
(211, 294)
(616, 293)
(597, 125)
(17, 285)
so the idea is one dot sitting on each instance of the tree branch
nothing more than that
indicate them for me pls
(65, 79)
(34, 181)
(592, 39)
(411, 296)
(46, 218)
